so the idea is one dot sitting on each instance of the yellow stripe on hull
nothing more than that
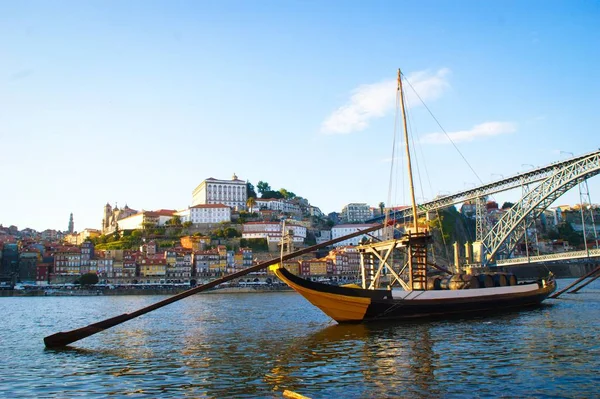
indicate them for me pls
(341, 308)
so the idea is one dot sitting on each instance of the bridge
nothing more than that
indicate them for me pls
(570, 255)
(497, 243)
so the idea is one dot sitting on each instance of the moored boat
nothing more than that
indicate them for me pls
(356, 304)
(403, 290)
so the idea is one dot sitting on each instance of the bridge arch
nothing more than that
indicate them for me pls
(504, 236)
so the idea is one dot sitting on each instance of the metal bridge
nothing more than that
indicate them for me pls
(542, 186)
(570, 255)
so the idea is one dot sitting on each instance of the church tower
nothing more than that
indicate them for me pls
(71, 224)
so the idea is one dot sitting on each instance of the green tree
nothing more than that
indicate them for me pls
(250, 190)
(88, 279)
(507, 205)
(272, 194)
(263, 187)
(116, 234)
(566, 232)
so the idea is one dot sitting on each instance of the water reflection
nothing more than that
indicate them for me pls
(257, 346)
(387, 359)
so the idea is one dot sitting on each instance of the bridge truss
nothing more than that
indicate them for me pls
(545, 185)
(512, 226)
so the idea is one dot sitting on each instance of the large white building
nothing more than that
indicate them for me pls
(206, 213)
(345, 229)
(228, 192)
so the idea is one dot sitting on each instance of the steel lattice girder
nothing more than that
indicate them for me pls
(510, 228)
(518, 180)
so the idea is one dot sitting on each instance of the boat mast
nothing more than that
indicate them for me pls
(410, 175)
(417, 243)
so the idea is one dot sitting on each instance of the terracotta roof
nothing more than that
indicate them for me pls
(166, 212)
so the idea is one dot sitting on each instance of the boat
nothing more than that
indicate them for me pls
(406, 289)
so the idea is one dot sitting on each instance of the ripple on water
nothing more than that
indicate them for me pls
(259, 345)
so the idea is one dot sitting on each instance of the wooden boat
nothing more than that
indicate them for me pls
(389, 291)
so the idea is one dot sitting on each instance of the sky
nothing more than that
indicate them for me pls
(137, 102)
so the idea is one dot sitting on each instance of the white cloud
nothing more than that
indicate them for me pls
(375, 100)
(483, 130)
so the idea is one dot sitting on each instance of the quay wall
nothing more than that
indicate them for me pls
(49, 291)
(573, 269)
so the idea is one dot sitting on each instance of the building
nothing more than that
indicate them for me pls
(345, 229)
(153, 270)
(112, 216)
(279, 205)
(228, 192)
(67, 262)
(345, 261)
(195, 243)
(315, 267)
(206, 214)
(271, 231)
(145, 219)
(356, 213)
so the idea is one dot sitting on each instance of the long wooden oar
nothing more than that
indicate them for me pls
(557, 294)
(65, 338)
(592, 278)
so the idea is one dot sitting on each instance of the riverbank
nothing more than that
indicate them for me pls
(138, 291)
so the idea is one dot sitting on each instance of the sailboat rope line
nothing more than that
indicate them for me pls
(444, 243)
(387, 214)
(444, 130)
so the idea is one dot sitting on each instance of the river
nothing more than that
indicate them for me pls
(258, 345)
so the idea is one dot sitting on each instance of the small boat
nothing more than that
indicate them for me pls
(405, 290)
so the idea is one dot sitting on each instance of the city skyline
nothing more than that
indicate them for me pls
(136, 103)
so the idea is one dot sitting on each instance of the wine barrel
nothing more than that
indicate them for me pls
(499, 280)
(433, 283)
(471, 281)
(459, 282)
(511, 279)
(485, 280)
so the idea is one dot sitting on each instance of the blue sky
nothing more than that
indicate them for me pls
(137, 102)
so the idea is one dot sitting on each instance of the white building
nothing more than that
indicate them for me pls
(272, 231)
(279, 205)
(356, 213)
(228, 192)
(315, 211)
(345, 229)
(206, 213)
(140, 219)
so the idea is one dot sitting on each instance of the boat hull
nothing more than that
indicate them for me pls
(355, 305)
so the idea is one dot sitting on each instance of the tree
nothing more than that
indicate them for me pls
(250, 190)
(88, 279)
(507, 205)
(263, 187)
(382, 207)
(116, 234)
(250, 203)
(272, 194)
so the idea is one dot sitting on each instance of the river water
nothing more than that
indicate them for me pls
(258, 345)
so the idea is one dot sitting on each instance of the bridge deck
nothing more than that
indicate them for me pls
(590, 253)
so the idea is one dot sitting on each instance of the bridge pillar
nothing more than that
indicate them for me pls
(468, 253)
(456, 257)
